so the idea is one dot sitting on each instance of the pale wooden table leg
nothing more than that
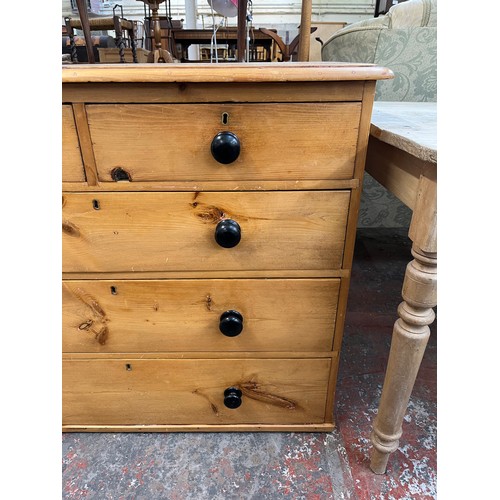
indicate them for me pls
(411, 330)
(410, 335)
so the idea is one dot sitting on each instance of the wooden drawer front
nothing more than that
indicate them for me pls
(184, 315)
(181, 391)
(72, 166)
(119, 232)
(161, 142)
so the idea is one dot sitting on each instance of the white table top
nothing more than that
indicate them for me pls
(409, 126)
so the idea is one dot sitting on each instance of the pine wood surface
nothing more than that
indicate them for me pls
(409, 126)
(395, 170)
(183, 315)
(224, 72)
(85, 143)
(74, 356)
(272, 143)
(326, 427)
(184, 391)
(402, 156)
(210, 92)
(148, 356)
(72, 167)
(210, 274)
(175, 231)
(202, 185)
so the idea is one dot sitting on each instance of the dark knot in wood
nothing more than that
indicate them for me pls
(70, 229)
(119, 174)
(209, 214)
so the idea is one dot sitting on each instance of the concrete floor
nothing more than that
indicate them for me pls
(310, 466)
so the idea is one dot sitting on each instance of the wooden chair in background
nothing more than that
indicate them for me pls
(117, 23)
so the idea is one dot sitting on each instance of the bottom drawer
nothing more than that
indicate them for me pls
(191, 391)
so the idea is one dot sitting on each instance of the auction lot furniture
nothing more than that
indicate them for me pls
(402, 156)
(209, 218)
(229, 36)
(116, 23)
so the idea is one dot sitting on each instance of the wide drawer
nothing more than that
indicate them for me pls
(181, 391)
(123, 232)
(72, 166)
(199, 315)
(172, 142)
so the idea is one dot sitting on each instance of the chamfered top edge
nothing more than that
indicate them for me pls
(223, 72)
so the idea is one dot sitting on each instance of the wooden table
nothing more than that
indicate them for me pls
(186, 37)
(402, 156)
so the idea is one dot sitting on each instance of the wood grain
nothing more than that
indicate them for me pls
(326, 427)
(192, 92)
(201, 355)
(86, 143)
(183, 315)
(410, 127)
(224, 72)
(145, 282)
(396, 170)
(182, 391)
(159, 142)
(210, 274)
(201, 185)
(175, 231)
(72, 165)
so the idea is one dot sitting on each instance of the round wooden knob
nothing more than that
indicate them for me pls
(232, 397)
(225, 147)
(231, 323)
(228, 233)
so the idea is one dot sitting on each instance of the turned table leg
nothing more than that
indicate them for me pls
(411, 331)
(410, 335)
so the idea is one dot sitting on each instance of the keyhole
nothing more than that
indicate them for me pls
(113, 290)
(96, 204)
(128, 367)
(225, 118)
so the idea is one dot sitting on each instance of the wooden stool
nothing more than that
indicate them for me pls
(158, 54)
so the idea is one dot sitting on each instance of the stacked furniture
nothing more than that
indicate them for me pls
(116, 23)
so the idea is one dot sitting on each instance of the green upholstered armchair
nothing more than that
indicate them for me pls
(404, 40)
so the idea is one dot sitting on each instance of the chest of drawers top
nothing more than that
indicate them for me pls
(224, 73)
(297, 124)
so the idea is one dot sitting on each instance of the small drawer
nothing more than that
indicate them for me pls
(199, 315)
(180, 391)
(72, 165)
(173, 142)
(124, 232)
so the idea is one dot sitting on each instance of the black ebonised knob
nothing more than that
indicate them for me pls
(225, 147)
(232, 397)
(231, 323)
(228, 233)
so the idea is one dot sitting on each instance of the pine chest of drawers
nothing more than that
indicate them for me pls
(209, 216)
